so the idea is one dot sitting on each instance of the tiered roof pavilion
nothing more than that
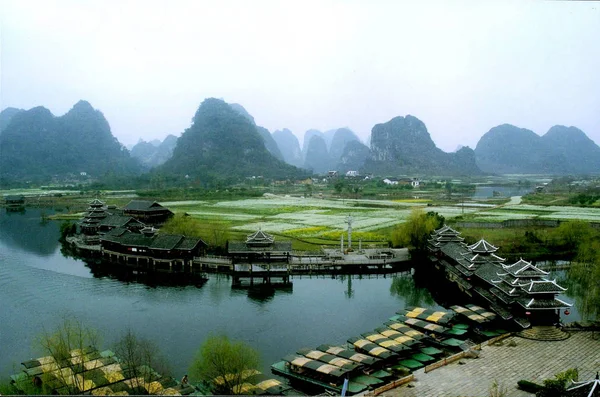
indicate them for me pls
(519, 287)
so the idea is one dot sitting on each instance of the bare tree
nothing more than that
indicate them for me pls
(141, 360)
(67, 347)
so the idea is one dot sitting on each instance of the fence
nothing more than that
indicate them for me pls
(390, 386)
(508, 223)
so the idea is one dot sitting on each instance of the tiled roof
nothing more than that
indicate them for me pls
(189, 243)
(144, 205)
(544, 286)
(166, 241)
(118, 221)
(259, 237)
(446, 229)
(482, 246)
(523, 268)
(540, 303)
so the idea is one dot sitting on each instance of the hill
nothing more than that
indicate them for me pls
(38, 145)
(223, 145)
(507, 149)
(317, 159)
(154, 153)
(6, 116)
(270, 143)
(353, 158)
(340, 138)
(289, 146)
(403, 146)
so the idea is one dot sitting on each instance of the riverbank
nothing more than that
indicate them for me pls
(506, 363)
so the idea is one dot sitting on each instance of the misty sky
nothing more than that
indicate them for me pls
(460, 67)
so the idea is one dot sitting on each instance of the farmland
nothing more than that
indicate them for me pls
(314, 218)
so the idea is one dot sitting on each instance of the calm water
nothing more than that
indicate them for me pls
(482, 192)
(38, 285)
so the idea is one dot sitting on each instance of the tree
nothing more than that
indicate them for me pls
(416, 230)
(339, 186)
(67, 345)
(141, 360)
(571, 233)
(224, 363)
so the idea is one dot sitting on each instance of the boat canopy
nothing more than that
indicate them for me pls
(405, 329)
(383, 341)
(329, 359)
(397, 336)
(322, 368)
(350, 355)
(439, 317)
(371, 348)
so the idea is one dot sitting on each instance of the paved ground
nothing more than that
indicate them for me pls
(530, 360)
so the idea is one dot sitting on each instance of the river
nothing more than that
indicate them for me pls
(39, 286)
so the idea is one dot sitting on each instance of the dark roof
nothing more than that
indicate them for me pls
(189, 243)
(544, 286)
(117, 231)
(129, 239)
(488, 272)
(523, 268)
(158, 242)
(144, 205)
(541, 303)
(166, 241)
(118, 221)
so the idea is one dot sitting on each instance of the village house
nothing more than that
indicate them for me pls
(148, 212)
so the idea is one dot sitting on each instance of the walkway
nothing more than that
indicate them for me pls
(505, 364)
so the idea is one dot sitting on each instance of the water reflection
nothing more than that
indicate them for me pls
(28, 230)
(263, 293)
(404, 286)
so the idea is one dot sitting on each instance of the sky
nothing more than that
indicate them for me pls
(462, 67)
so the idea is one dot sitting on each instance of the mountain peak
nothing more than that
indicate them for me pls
(83, 105)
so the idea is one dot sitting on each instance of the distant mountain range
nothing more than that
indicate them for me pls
(507, 149)
(34, 144)
(224, 142)
(154, 153)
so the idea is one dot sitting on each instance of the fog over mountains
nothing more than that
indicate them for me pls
(224, 142)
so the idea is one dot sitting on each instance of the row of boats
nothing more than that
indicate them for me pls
(411, 339)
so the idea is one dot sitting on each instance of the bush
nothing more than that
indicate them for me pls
(528, 386)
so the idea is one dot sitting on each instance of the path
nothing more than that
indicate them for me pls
(530, 360)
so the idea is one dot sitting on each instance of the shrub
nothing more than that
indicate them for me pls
(528, 386)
